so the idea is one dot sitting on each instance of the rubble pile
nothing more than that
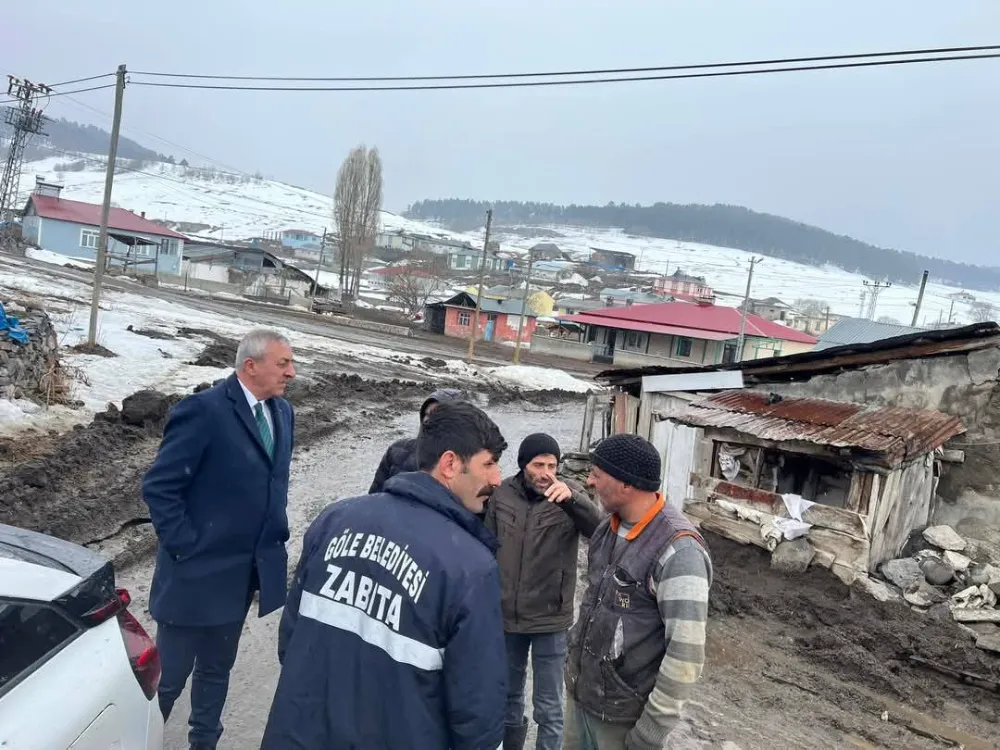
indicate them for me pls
(30, 369)
(948, 576)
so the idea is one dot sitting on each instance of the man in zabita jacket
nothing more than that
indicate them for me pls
(392, 636)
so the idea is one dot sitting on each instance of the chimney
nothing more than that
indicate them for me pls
(49, 189)
(142, 214)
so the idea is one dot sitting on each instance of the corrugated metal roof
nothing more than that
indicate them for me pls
(892, 433)
(860, 331)
(931, 343)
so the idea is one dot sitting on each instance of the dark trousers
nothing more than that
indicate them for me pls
(210, 652)
(548, 656)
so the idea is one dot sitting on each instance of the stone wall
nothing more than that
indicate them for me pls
(30, 370)
(965, 385)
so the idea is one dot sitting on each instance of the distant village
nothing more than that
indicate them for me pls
(595, 307)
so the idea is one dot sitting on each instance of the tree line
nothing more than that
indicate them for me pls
(67, 135)
(722, 225)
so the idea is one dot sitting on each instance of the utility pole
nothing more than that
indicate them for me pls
(322, 247)
(479, 293)
(876, 288)
(746, 308)
(109, 178)
(25, 120)
(524, 305)
(861, 309)
(951, 310)
(920, 299)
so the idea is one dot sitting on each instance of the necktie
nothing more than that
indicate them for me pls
(265, 431)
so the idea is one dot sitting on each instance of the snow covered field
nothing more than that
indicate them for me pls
(163, 363)
(240, 210)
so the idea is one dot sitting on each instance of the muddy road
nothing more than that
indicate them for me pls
(336, 467)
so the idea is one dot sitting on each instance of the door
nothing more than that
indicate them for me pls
(491, 324)
(676, 444)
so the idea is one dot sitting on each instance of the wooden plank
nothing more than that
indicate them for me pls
(846, 549)
(837, 519)
(743, 532)
(976, 615)
(824, 516)
(644, 426)
(952, 456)
(855, 492)
(587, 430)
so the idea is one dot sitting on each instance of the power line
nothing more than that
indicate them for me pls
(67, 93)
(592, 71)
(83, 80)
(571, 82)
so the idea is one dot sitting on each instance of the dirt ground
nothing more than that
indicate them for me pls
(804, 661)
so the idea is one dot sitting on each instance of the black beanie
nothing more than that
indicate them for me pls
(536, 445)
(630, 459)
(444, 394)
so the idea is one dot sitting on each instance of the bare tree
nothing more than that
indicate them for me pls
(357, 202)
(982, 312)
(811, 308)
(411, 287)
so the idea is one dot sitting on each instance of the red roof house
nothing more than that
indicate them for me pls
(72, 228)
(683, 334)
(78, 212)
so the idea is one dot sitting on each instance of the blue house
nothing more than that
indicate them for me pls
(300, 239)
(72, 228)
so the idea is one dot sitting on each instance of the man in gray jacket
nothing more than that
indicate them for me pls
(538, 519)
(638, 648)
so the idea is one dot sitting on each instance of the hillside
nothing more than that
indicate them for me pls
(64, 135)
(225, 206)
(721, 225)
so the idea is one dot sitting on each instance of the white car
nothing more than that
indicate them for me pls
(77, 670)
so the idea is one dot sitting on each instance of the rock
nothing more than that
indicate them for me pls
(936, 571)
(957, 561)
(988, 642)
(944, 537)
(923, 595)
(904, 572)
(979, 574)
(793, 556)
(940, 611)
(878, 589)
(145, 407)
(983, 551)
(974, 597)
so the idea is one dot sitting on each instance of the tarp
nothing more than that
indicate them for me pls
(12, 326)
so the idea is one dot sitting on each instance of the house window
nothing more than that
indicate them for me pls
(464, 319)
(684, 347)
(88, 238)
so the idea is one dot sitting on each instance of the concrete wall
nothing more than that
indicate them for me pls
(965, 385)
(541, 344)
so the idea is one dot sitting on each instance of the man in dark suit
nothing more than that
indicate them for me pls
(217, 493)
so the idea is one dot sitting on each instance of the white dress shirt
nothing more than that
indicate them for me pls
(253, 401)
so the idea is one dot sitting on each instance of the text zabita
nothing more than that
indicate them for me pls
(362, 592)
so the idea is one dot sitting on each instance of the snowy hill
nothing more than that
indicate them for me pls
(225, 206)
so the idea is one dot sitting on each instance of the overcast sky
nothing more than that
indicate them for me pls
(905, 157)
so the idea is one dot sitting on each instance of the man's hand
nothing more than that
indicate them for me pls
(558, 492)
